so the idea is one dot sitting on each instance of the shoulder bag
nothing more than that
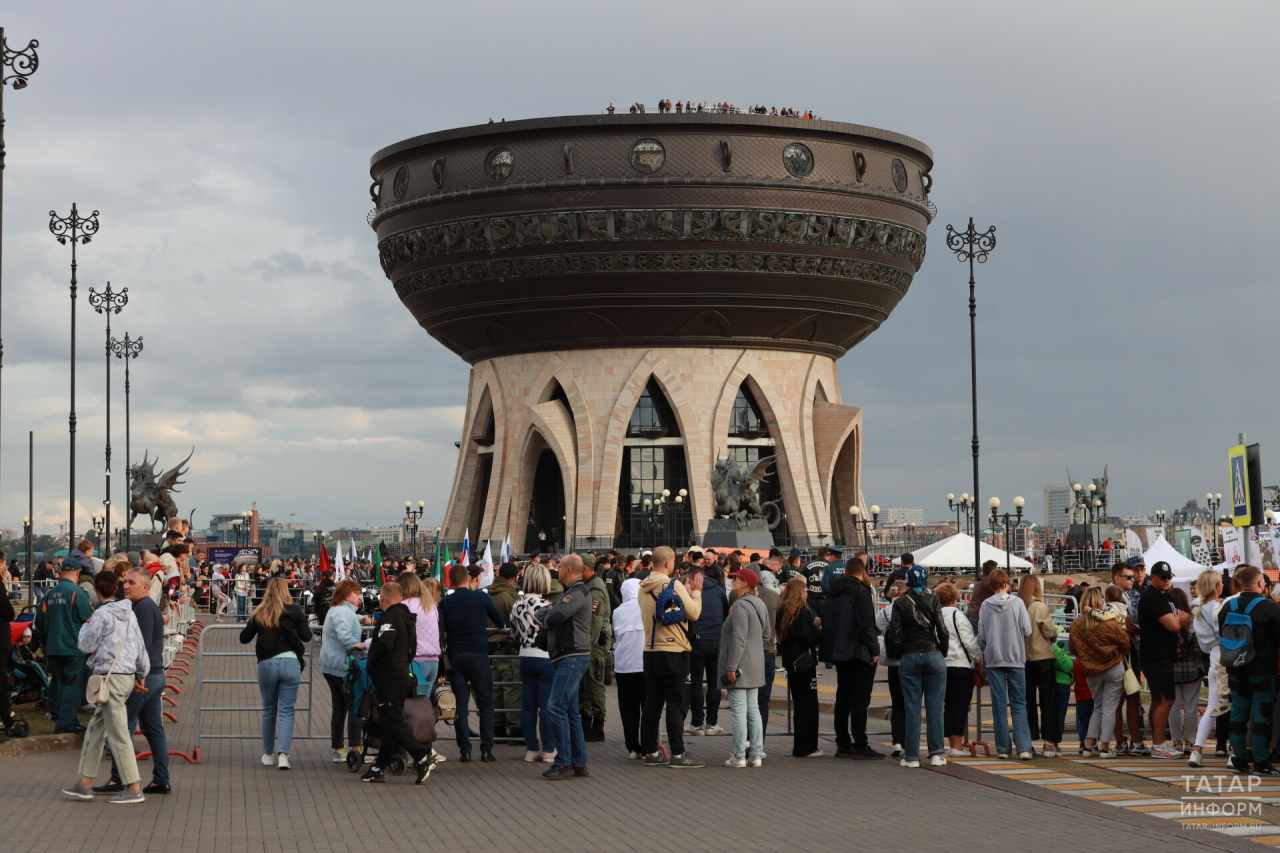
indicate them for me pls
(98, 689)
(1131, 683)
(979, 671)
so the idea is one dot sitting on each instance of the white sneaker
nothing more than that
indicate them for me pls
(1087, 752)
(958, 753)
(817, 753)
(549, 757)
(282, 761)
(437, 757)
(532, 755)
(709, 730)
(1197, 759)
(909, 762)
(1004, 756)
(897, 751)
(756, 761)
(634, 755)
(339, 756)
(1106, 753)
(735, 762)
(937, 760)
(1026, 756)
(268, 760)
(691, 729)
(1166, 750)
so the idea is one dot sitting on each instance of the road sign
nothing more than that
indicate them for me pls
(1237, 459)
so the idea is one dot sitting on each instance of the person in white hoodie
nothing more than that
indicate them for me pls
(962, 656)
(113, 641)
(1003, 626)
(1209, 588)
(628, 664)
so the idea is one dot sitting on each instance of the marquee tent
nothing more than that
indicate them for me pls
(956, 552)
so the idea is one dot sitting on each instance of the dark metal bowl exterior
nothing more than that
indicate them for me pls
(652, 230)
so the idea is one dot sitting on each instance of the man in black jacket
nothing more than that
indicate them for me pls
(394, 642)
(849, 641)
(568, 624)
(1253, 686)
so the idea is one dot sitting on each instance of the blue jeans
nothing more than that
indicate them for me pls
(242, 607)
(472, 673)
(278, 680)
(143, 710)
(536, 678)
(748, 733)
(924, 677)
(1009, 696)
(563, 709)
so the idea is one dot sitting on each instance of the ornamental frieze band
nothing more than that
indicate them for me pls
(582, 226)
(738, 262)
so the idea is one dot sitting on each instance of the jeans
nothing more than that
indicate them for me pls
(897, 721)
(242, 607)
(1253, 699)
(666, 681)
(472, 672)
(343, 716)
(278, 680)
(536, 676)
(704, 682)
(766, 692)
(143, 710)
(924, 677)
(1009, 697)
(563, 710)
(748, 734)
(111, 721)
(1107, 688)
(1084, 716)
(68, 677)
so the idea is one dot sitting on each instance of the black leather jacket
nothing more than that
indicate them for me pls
(917, 620)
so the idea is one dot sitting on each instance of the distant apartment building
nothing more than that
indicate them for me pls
(896, 516)
(1056, 501)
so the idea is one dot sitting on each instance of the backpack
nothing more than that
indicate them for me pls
(668, 609)
(1238, 648)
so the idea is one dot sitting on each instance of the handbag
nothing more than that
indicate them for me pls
(98, 689)
(1131, 683)
(979, 671)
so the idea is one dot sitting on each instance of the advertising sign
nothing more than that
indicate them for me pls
(1233, 546)
(226, 554)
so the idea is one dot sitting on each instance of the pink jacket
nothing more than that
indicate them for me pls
(428, 630)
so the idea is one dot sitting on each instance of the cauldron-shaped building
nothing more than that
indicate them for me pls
(638, 295)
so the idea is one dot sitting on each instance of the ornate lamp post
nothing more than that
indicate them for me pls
(411, 517)
(128, 349)
(75, 229)
(238, 526)
(867, 525)
(108, 302)
(971, 245)
(1018, 504)
(15, 67)
(963, 506)
(100, 526)
(661, 506)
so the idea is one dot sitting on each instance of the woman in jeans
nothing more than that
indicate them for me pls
(1003, 625)
(422, 604)
(897, 718)
(916, 622)
(242, 587)
(1184, 719)
(1042, 715)
(536, 670)
(112, 640)
(741, 666)
(281, 632)
(1205, 623)
(797, 631)
(340, 636)
(963, 653)
(1100, 642)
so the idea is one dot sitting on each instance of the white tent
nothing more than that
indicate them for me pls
(956, 552)
(1185, 571)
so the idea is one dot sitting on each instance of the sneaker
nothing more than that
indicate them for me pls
(1265, 768)
(655, 759)
(373, 774)
(1234, 764)
(897, 751)
(369, 756)
(532, 755)
(844, 752)
(1107, 753)
(958, 753)
(283, 761)
(909, 762)
(1220, 752)
(865, 754)
(581, 772)
(755, 761)
(128, 796)
(735, 762)
(558, 772)
(77, 792)
(1026, 756)
(268, 760)
(1088, 753)
(711, 729)
(1166, 750)
(1004, 756)
(549, 757)
(691, 729)
(633, 755)
(938, 760)
(1140, 749)
(424, 769)
(109, 788)
(437, 757)
(1122, 748)
(1197, 759)
(817, 753)
(684, 761)
(339, 756)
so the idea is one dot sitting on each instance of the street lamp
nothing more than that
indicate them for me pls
(1009, 519)
(128, 349)
(411, 520)
(76, 229)
(867, 525)
(31, 580)
(963, 506)
(108, 302)
(971, 245)
(15, 67)
(236, 525)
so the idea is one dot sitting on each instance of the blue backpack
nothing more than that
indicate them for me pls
(668, 609)
(1237, 646)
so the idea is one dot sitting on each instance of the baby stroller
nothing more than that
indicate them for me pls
(418, 711)
(25, 679)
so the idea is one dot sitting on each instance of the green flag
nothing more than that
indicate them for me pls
(377, 566)
(442, 559)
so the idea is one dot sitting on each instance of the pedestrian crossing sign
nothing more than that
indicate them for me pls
(1236, 456)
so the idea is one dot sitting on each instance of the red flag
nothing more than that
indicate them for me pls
(324, 561)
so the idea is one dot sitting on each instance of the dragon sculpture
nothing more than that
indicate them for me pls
(737, 492)
(152, 496)
(1082, 500)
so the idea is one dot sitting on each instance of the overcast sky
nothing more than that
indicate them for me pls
(1123, 150)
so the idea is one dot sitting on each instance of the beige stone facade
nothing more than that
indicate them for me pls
(819, 438)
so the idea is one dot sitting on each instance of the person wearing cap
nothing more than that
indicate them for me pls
(741, 667)
(1253, 685)
(850, 641)
(835, 567)
(62, 612)
(1160, 622)
(916, 622)
(591, 695)
(504, 653)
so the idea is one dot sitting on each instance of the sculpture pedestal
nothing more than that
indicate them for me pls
(725, 533)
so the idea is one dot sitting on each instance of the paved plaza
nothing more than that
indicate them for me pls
(230, 802)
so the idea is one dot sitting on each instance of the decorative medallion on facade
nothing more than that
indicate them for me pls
(648, 155)
(400, 185)
(798, 159)
(498, 165)
(899, 175)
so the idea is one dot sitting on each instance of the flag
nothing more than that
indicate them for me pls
(464, 556)
(378, 577)
(368, 556)
(339, 570)
(355, 555)
(506, 550)
(486, 566)
(443, 563)
(325, 565)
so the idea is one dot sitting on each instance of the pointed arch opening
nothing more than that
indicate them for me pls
(545, 525)
(653, 417)
(750, 427)
(653, 494)
(555, 393)
(746, 420)
(484, 433)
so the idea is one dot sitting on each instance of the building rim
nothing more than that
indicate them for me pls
(398, 152)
